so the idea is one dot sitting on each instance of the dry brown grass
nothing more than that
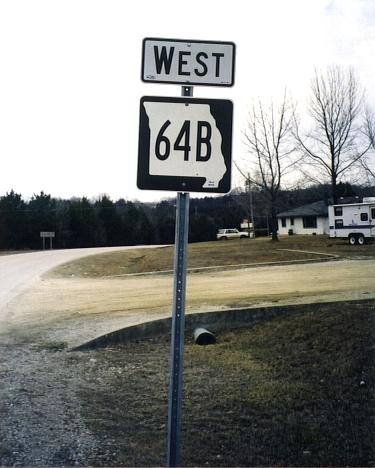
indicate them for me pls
(283, 393)
(212, 254)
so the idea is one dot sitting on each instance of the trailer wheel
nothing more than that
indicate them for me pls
(352, 239)
(361, 239)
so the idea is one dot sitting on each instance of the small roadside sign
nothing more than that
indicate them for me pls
(185, 144)
(47, 234)
(183, 61)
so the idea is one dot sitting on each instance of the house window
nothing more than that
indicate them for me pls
(339, 223)
(309, 222)
(283, 222)
(364, 217)
(338, 210)
(292, 221)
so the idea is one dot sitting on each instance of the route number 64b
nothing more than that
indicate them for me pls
(202, 150)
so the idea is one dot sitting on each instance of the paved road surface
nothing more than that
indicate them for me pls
(19, 271)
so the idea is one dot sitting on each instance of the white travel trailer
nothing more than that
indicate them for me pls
(354, 221)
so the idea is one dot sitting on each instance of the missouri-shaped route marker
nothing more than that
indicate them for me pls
(185, 144)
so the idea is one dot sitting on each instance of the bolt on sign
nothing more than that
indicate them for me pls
(182, 61)
(185, 144)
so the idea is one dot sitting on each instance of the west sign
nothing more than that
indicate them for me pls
(187, 62)
(185, 144)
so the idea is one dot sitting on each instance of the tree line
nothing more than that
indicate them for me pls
(79, 222)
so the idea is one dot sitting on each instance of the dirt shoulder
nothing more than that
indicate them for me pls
(77, 309)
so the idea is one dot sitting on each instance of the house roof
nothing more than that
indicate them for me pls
(318, 208)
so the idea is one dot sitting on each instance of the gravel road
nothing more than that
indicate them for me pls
(40, 422)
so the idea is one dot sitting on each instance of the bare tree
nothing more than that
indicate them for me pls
(268, 138)
(369, 131)
(336, 143)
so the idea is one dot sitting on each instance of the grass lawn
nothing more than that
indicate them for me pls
(209, 254)
(284, 393)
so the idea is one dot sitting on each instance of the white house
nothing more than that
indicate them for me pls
(306, 219)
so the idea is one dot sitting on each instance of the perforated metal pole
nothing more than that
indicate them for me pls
(178, 323)
(178, 330)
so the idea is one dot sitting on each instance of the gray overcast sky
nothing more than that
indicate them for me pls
(70, 77)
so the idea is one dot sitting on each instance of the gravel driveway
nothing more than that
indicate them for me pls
(39, 409)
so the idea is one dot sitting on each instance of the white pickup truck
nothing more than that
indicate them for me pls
(225, 234)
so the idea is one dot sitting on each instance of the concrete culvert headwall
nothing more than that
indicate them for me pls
(214, 321)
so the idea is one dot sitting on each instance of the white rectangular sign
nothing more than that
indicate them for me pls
(47, 234)
(187, 62)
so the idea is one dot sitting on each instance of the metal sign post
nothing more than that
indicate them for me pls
(178, 330)
(178, 323)
(184, 145)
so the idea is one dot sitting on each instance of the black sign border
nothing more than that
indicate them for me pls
(187, 82)
(222, 111)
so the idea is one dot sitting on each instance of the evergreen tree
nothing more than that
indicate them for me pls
(12, 221)
(109, 223)
(82, 223)
(41, 216)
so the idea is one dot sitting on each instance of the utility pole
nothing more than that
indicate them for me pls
(251, 206)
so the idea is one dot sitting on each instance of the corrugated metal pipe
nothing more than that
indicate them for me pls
(204, 337)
